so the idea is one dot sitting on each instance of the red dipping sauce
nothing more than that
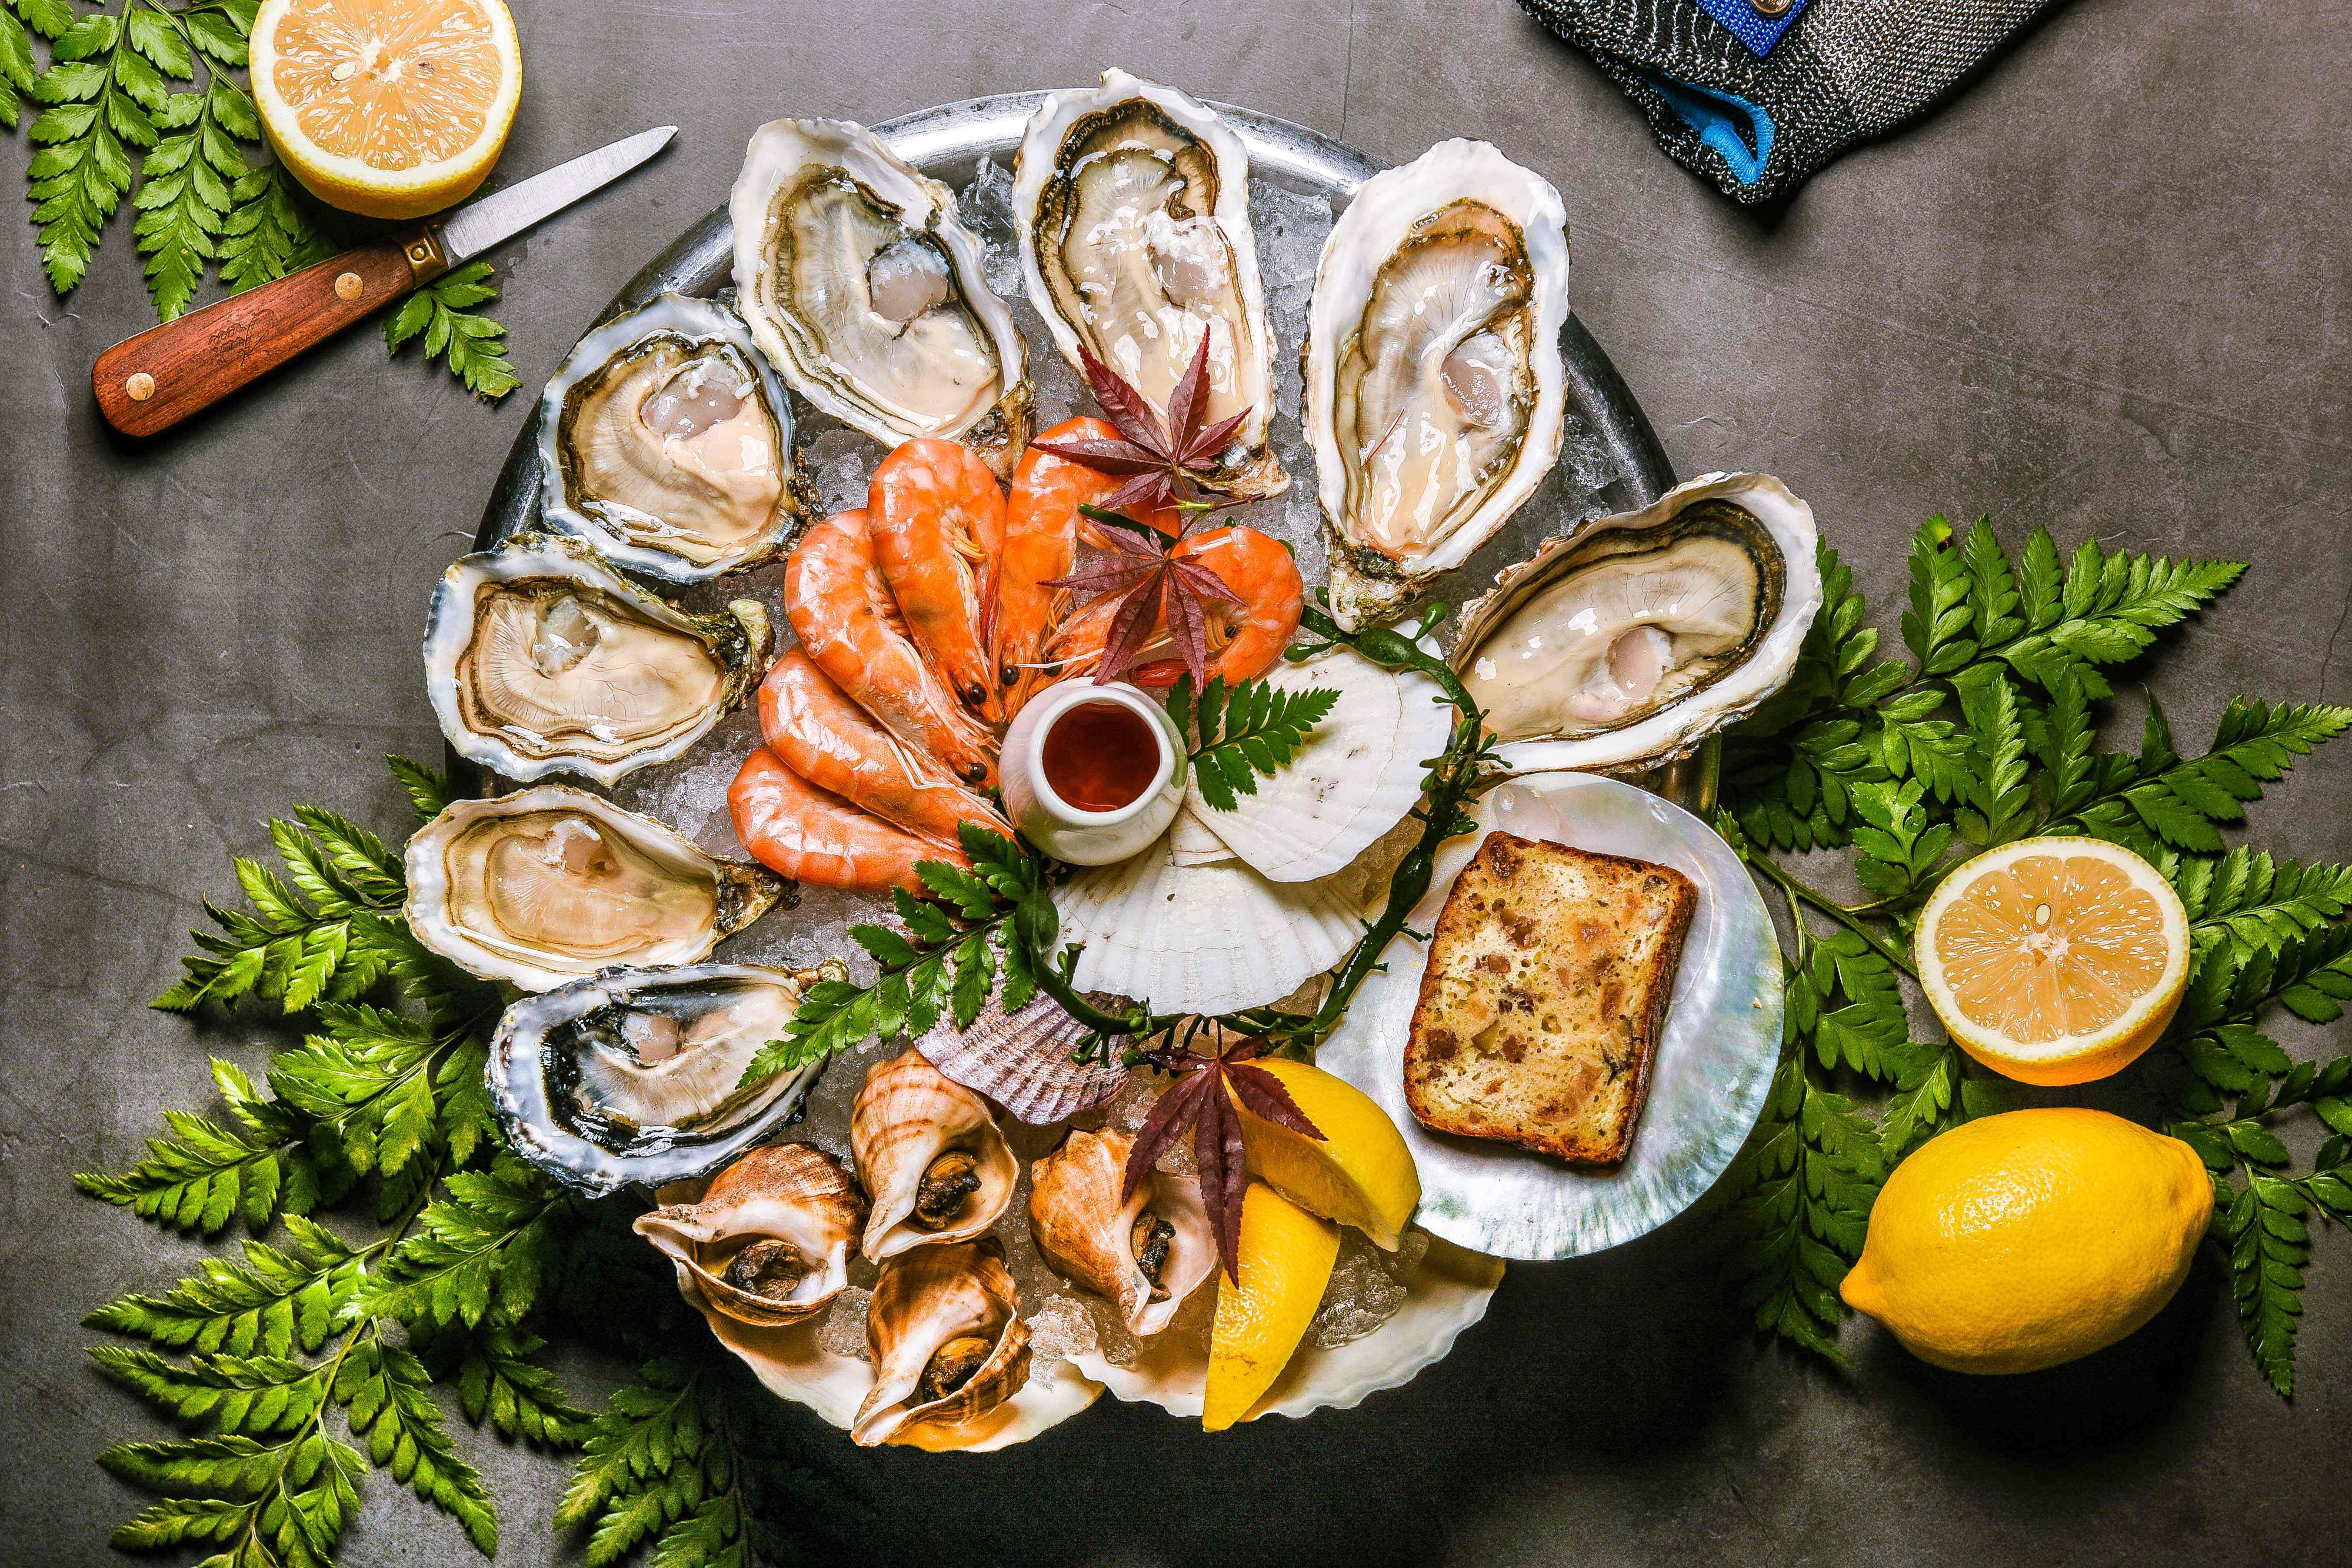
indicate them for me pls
(1100, 756)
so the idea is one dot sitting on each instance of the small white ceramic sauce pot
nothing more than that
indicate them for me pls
(1064, 831)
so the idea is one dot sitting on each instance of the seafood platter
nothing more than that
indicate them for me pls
(1087, 712)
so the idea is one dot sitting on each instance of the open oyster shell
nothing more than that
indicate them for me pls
(540, 658)
(1132, 204)
(769, 1242)
(635, 1075)
(1622, 647)
(1435, 391)
(870, 295)
(552, 884)
(666, 442)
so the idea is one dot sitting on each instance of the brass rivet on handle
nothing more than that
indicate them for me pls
(348, 287)
(139, 388)
(1770, 7)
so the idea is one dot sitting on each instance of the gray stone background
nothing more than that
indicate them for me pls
(2105, 290)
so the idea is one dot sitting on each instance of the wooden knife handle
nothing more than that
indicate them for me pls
(154, 380)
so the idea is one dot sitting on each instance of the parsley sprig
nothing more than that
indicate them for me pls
(138, 99)
(1989, 735)
(1239, 736)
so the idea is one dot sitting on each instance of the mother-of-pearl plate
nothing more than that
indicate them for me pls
(1707, 1082)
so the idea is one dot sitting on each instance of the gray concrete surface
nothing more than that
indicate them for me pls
(2105, 290)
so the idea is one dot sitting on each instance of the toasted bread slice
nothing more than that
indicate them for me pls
(1548, 983)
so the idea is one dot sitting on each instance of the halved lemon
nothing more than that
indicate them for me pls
(389, 107)
(2054, 960)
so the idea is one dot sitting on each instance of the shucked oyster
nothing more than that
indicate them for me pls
(540, 658)
(1622, 647)
(1132, 202)
(865, 289)
(635, 1075)
(666, 442)
(1434, 387)
(550, 884)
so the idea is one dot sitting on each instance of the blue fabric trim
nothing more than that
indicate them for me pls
(1751, 26)
(1739, 132)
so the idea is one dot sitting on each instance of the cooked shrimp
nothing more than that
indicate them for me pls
(1042, 526)
(800, 831)
(938, 522)
(828, 740)
(842, 611)
(1245, 639)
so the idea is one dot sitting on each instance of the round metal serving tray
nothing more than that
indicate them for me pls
(1612, 460)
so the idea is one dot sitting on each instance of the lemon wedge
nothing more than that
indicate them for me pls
(1287, 1256)
(2019, 1241)
(1362, 1173)
(393, 109)
(2054, 960)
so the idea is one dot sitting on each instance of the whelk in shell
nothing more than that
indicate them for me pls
(945, 1332)
(769, 1242)
(1144, 1252)
(930, 1155)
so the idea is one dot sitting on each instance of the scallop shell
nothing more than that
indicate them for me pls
(1083, 1227)
(791, 1193)
(906, 1115)
(1447, 1292)
(1200, 937)
(1709, 1079)
(1360, 771)
(922, 1299)
(1022, 1062)
(1675, 730)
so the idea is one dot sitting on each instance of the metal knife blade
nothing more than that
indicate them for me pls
(479, 225)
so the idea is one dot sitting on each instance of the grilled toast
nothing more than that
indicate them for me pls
(1549, 978)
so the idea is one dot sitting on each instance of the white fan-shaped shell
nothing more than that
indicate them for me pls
(792, 1364)
(1202, 938)
(1359, 244)
(1448, 1292)
(1360, 771)
(1675, 730)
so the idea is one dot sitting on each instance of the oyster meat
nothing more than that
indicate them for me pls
(540, 658)
(1436, 392)
(636, 1075)
(666, 442)
(1622, 647)
(551, 884)
(1132, 204)
(1143, 1252)
(945, 1332)
(930, 1156)
(768, 1241)
(869, 294)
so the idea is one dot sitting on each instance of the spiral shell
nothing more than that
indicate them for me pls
(908, 1119)
(1088, 1231)
(924, 1301)
(1022, 1062)
(790, 1193)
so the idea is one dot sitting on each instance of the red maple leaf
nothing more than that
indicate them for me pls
(1158, 463)
(1202, 1098)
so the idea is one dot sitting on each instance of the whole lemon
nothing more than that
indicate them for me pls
(2023, 1240)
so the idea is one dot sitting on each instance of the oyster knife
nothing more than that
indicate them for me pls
(151, 381)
